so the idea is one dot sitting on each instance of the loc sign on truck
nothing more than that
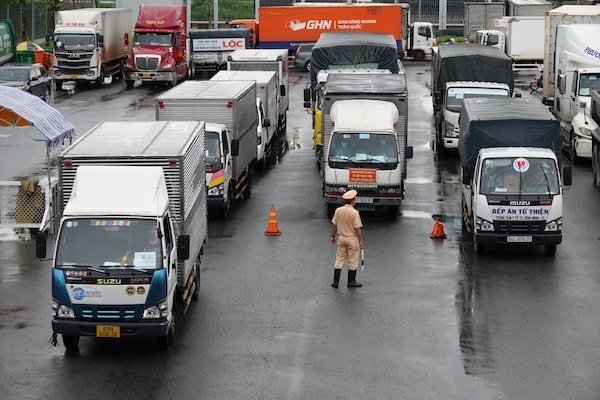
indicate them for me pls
(285, 27)
(215, 44)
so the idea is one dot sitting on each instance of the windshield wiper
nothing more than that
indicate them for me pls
(546, 178)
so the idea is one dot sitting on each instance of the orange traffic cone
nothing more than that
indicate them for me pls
(272, 227)
(438, 230)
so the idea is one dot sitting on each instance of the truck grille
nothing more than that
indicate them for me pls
(147, 63)
(73, 62)
(519, 226)
(108, 313)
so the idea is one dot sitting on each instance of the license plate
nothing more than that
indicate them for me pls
(108, 331)
(146, 75)
(364, 200)
(519, 239)
(72, 76)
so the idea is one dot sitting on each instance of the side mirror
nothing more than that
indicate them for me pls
(40, 245)
(567, 176)
(282, 90)
(235, 148)
(266, 122)
(183, 247)
(408, 152)
(437, 97)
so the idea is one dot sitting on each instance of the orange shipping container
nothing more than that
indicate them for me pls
(286, 27)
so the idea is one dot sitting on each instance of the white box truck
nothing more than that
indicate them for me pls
(571, 71)
(365, 141)
(479, 15)
(132, 229)
(512, 188)
(521, 38)
(231, 104)
(91, 44)
(267, 60)
(267, 108)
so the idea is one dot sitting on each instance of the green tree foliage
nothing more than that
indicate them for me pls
(203, 10)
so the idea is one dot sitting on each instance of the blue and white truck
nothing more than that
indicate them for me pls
(132, 228)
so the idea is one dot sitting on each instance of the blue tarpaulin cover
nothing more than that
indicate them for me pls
(20, 108)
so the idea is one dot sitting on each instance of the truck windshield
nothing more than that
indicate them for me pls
(110, 242)
(589, 82)
(153, 39)
(75, 42)
(519, 176)
(457, 94)
(363, 148)
(213, 151)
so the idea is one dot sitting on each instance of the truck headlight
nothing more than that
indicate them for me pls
(389, 190)
(484, 225)
(585, 132)
(335, 189)
(62, 311)
(554, 226)
(160, 310)
(216, 191)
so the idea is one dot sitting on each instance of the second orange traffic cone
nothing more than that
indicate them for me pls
(438, 230)
(272, 227)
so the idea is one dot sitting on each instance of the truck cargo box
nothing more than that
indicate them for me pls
(521, 122)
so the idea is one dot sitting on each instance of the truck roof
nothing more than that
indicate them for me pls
(363, 115)
(366, 83)
(147, 138)
(218, 90)
(522, 122)
(533, 152)
(220, 33)
(95, 186)
(342, 48)
(258, 76)
(161, 16)
(572, 9)
(258, 55)
(468, 62)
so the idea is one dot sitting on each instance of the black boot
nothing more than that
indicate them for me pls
(336, 278)
(352, 279)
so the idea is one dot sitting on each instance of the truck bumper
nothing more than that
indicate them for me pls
(90, 76)
(150, 76)
(520, 239)
(85, 328)
(366, 203)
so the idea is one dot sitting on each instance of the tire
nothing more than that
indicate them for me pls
(247, 193)
(393, 212)
(58, 85)
(47, 95)
(331, 210)
(167, 340)
(419, 55)
(596, 165)
(478, 247)
(129, 84)
(534, 86)
(572, 152)
(196, 292)
(224, 212)
(307, 66)
(550, 249)
(70, 341)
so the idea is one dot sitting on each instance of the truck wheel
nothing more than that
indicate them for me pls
(47, 95)
(393, 212)
(70, 341)
(196, 292)
(165, 341)
(58, 85)
(129, 83)
(596, 165)
(550, 249)
(478, 247)
(227, 205)
(248, 191)
(572, 151)
(419, 55)
(307, 66)
(331, 210)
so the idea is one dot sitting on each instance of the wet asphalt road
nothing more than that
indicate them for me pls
(433, 320)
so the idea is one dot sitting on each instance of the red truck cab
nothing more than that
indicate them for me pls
(159, 52)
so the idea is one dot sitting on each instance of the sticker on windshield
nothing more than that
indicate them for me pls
(521, 164)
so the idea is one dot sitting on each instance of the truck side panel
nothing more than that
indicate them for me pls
(117, 25)
(286, 27)
(8, 46)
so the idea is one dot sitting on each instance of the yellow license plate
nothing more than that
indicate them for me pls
(108, 331)
(146, 75)
(72, 76)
